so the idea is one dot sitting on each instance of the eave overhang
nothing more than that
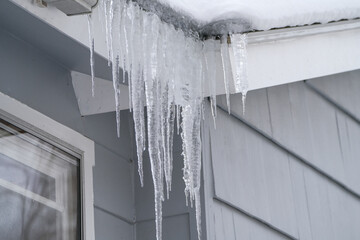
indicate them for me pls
(274, 57)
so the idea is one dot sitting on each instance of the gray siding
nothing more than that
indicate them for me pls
(41, 82)
(289, 168)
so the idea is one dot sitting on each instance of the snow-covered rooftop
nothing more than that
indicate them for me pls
(217, 16)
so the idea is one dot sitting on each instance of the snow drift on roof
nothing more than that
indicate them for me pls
(260, 14)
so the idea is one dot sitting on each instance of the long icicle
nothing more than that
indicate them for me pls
(225, 59)
(239, 45)
(152, 90)
(91, 42)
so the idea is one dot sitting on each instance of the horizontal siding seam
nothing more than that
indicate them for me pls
(164, 217)
(295, 155)
(255, 218)
(124, 219)
(122, 157)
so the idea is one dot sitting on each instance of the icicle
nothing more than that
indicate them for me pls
(115, 54)
(152, 91)
(91, 42)
(166, 101)
(225, 59)
(178, 110)
(210, 48)
(132, 18)
(191, 116)
(108, 13)
(190, 125)
(239, 44)
(137, 91)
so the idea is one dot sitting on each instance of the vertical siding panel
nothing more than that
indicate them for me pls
(341, 88)
(257, 111)
(218, 223)
(228, 224)
(349, 133)
(326, 138)
(352, 162)
(280, 200)
(346, 213)
(318, 203)
(254, 163)
(302, 135)
(299, 193)
(281, 115)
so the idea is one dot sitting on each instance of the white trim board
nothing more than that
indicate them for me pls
(104, 94)
(25, 116)
(302, 57)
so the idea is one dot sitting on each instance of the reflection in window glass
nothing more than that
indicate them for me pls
(39, 188)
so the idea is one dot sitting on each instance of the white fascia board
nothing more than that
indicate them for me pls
(288, 55)
(274, 57)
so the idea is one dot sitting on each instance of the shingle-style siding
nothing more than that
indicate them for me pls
(288, 168)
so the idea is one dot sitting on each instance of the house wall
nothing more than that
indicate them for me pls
(288, 168)
(34, 78)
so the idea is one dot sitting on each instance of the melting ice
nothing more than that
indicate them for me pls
(170, 73)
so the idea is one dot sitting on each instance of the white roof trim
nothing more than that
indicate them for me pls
(289, 55)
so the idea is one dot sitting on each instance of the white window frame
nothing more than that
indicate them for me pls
(65, 138)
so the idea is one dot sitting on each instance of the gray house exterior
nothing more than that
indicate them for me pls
(287, 169)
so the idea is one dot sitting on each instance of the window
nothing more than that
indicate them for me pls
(45, 177)
(39, 188)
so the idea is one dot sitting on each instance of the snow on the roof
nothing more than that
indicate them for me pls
(265, 14)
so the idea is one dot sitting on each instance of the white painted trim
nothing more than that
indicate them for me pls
(289, 59)
(104, 97)
(29, 118)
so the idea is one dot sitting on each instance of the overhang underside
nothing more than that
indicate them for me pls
(274, 57)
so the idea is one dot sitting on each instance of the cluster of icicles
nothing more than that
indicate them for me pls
(169, 74)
